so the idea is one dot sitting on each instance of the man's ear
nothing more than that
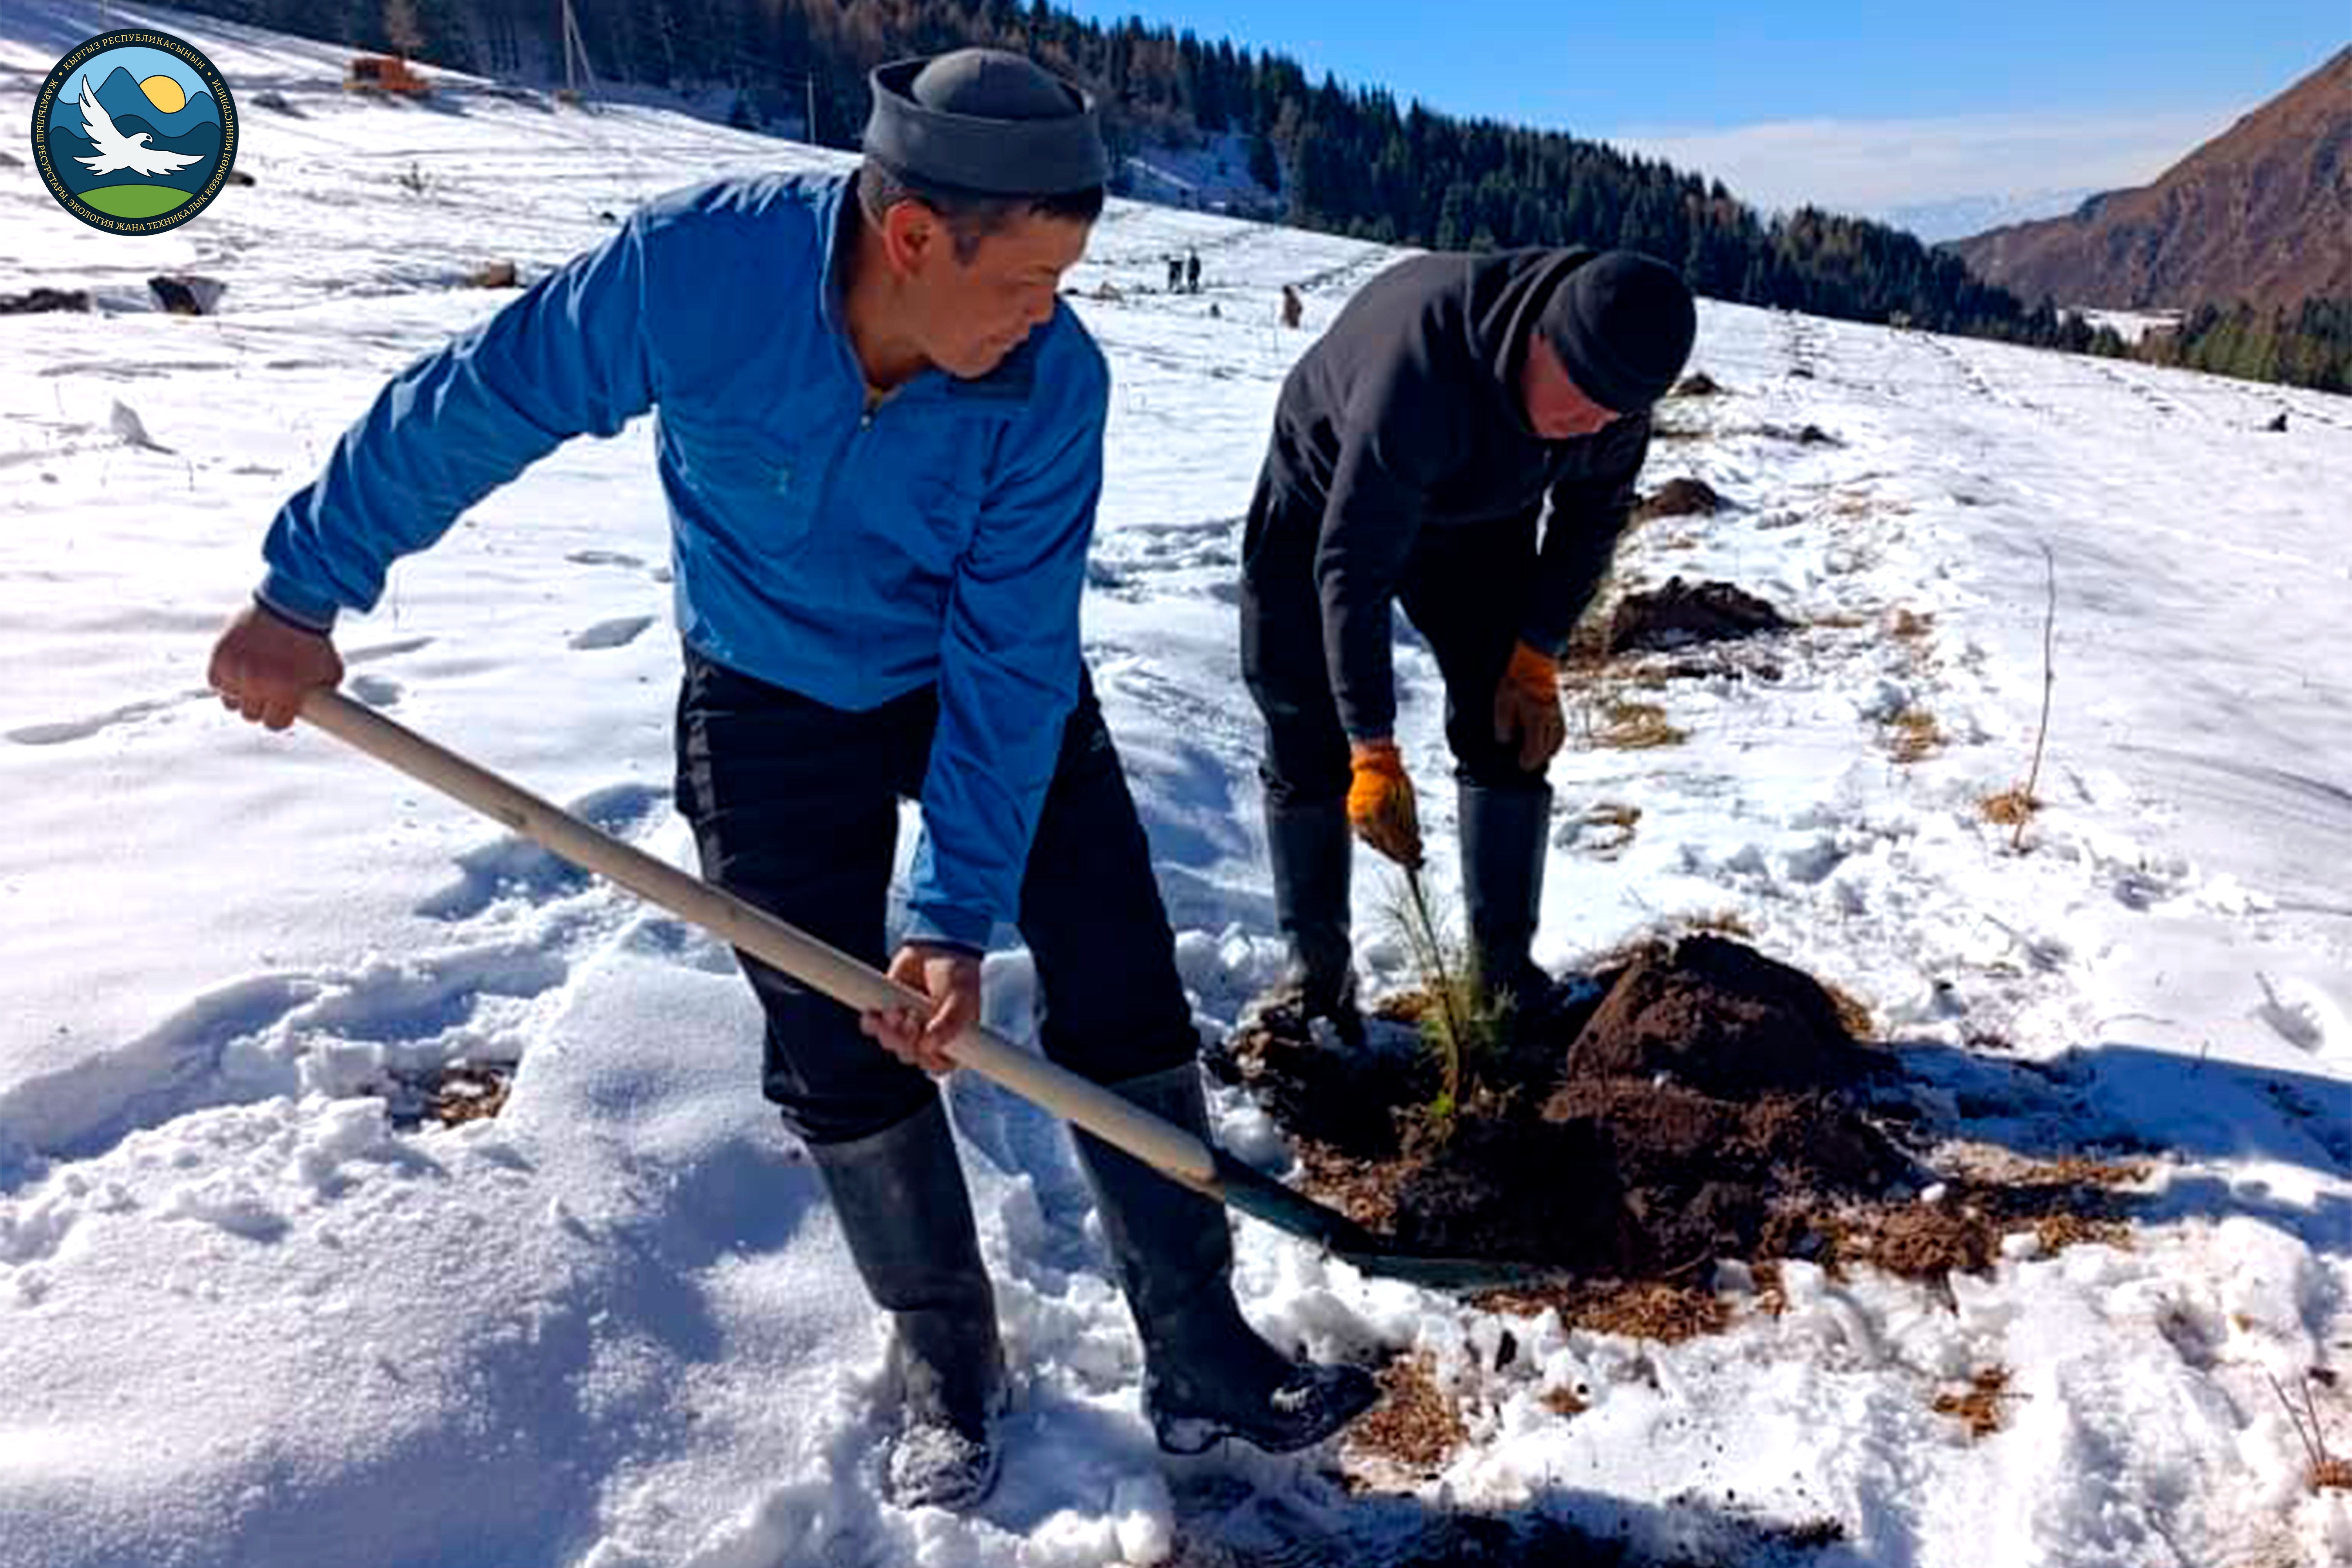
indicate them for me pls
(912, 233)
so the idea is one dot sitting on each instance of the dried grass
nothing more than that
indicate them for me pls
(1853, 1012)
(1415, 1425)
(1726, 923)
(1649, 1310)
(1635, 726)
(1979, 1406)
(1913, 736)
(2010, 807)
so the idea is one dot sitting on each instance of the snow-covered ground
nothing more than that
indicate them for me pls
(2133, 326)
(1211, 177)
(242, 1321)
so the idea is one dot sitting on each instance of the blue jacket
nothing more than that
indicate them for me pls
(848, 556)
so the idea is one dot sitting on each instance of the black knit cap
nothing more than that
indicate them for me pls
(986, 120)
(1623, 324)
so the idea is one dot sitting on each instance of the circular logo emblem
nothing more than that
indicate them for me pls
(134, 131)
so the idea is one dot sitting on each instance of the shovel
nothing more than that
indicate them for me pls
(1167, 1148)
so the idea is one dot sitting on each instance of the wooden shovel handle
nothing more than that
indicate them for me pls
(1158, 1144)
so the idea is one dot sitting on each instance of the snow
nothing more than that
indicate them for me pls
(243, 1319)
(1213, 175)
(2132, 326)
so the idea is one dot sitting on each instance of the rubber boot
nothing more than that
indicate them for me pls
(1313, 851)
(900, 1197)
(1207, 1374)
(1505, 841)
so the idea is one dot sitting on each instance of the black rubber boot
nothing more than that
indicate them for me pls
(1207, 1375)
(901, 1201)
(1313, 851)
(1505, 836)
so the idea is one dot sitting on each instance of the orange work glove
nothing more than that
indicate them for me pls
(1379, 802)
(1526, 706)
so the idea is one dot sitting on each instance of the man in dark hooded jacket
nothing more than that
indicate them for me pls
(1416, 447)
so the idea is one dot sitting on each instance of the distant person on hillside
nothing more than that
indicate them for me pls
(881, 443)
(1414, 448)
(1175, 274)
(1193, 272)
(1293, 307)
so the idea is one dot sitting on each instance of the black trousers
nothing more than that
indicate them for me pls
(794, 807)
(1462, 589)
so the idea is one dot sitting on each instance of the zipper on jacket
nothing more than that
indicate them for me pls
(841, 454)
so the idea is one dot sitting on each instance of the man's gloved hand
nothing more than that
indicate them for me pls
(1379, 802)
(1527, 705)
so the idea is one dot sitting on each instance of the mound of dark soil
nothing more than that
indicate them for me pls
(1698, 1109)
(1682, 614)
(185, 293)
(39, 301)
(1718, 1018)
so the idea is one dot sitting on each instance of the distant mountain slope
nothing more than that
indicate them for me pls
(2262, 213)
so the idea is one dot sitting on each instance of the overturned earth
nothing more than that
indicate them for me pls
(1681, 614)
(1695, 1103)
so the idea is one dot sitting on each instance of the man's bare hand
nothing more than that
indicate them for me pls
(950, 977)
(263, 667)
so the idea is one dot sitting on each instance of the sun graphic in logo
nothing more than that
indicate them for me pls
(134, 131)
(166, 93)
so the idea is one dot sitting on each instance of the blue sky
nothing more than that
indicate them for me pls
(1985, 97)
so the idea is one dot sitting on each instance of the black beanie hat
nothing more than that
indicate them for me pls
(1623, 324)
(986, 121)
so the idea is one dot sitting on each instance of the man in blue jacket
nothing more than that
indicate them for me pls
(880, 440)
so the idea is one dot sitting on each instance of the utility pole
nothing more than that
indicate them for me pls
(576, 56)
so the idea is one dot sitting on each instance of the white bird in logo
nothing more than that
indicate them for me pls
(116, 151)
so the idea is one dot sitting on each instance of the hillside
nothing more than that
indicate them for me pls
(254, 1310)
(2262, 213)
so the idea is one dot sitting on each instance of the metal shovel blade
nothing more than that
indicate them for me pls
(1262, 1197)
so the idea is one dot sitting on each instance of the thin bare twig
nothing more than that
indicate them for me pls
(2049, 679)
(2312, 1445)
(2311, 1409)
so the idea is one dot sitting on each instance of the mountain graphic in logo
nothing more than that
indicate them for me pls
(134, 131)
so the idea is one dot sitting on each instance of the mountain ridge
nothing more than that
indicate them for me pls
(2247, 215)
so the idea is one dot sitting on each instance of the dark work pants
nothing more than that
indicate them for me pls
(794, 807)
(1462, 590)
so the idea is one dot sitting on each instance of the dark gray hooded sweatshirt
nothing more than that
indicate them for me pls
(1407, 414)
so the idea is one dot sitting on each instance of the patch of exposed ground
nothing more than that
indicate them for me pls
(1696, 1101)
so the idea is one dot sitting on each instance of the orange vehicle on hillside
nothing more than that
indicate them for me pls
(385, 73)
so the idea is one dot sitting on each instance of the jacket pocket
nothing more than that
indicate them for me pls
(760, 487)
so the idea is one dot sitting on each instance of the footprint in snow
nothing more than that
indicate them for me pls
(376, 691)
(618, 632)
(83, 729)
(2303, 1015)
(514, 867)
(381, 651)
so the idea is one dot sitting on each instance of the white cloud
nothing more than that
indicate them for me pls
(1871, 166)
